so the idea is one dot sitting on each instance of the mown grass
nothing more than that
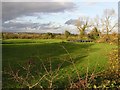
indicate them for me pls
(91, 55)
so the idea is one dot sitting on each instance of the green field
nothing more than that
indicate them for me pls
(92, 55)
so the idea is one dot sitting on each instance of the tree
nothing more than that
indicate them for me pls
(67, 34)
(82, 25)
(108, 21)
(50, 35)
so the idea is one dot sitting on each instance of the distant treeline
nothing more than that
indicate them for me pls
(8, 35)
(93, 35)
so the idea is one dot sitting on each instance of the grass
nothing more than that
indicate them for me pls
(24, 41)
(91, 55)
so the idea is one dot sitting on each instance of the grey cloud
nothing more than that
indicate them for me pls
(49, 26)
(71, 22)
(35, 27)
(24, 0)
(12, 10)
(16, 27)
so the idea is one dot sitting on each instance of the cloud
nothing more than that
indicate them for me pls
(60, 0)
(81, 20)
(91, 3)
(71, 22)
(37, 0)
(23, 27)
(52, 27)
(12, 10)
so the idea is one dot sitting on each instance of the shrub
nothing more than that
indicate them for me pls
(94, 34)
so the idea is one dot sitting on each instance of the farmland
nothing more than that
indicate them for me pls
(60, 45)
(51, 53)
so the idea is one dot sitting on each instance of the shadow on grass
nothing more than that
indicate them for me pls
(46, 52)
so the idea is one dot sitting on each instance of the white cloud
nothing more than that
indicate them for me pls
(91, 3)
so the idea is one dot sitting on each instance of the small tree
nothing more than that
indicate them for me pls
(67, 34)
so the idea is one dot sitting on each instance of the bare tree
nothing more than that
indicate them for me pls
(95, 23)
(82, 24)
(108, 21)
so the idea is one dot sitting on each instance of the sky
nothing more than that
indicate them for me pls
(55, 16)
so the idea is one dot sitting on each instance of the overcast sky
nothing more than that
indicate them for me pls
(53, 17)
